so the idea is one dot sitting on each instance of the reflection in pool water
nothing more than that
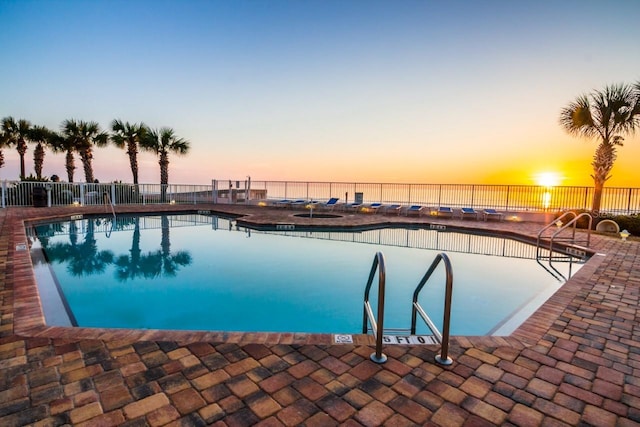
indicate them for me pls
(199, 272)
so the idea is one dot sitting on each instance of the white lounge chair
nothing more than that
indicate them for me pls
(329, 204)
(492, 213)
(445, 212)
(415, 209)
(393, 209)
(468, 213)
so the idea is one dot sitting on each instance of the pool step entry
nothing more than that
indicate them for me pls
(377, 323)
(570, 250)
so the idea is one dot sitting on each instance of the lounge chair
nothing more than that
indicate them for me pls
(393, 209)
(298, 203)
(282, 203)
(372, 208)
(492, 213)
(351, 206)
(414, 209)
(445, 212)
(468, 213)
(329, 204)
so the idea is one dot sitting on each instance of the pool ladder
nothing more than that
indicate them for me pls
(107, 204)
(572, 250)
(377, 324)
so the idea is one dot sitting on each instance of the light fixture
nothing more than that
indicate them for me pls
(624, 234)
(558, 223)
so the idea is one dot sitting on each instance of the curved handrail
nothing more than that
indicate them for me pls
(551, 224)
(377, 327)
(107, 202)
(573, 223)
(443, 358)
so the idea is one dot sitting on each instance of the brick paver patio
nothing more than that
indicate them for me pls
(573, 363)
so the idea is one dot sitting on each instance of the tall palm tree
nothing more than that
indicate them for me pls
(129, 135)
(17, 133)
(66, 144)
(84, 136)
(162, 142)
(3, 143)
(42, 137)
(606, 116)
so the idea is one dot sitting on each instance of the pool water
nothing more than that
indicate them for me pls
(200, 272)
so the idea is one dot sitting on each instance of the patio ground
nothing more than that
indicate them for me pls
(574, 362)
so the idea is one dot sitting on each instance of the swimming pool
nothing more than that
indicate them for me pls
(202, 272)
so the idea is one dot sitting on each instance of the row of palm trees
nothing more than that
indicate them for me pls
(607, 116)
(78, 136)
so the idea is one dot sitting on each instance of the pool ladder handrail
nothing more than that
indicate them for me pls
(377, 326)
(562, 227)
(107, 202)
(442, 338)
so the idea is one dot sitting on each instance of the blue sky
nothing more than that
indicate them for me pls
(394, 91)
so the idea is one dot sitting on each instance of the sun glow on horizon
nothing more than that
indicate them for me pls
(548, 179)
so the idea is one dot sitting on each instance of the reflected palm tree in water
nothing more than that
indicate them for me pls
(135, 264)
(152, 264)
(165, 262)
(84, 259)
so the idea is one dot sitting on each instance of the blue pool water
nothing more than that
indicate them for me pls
(199, 272)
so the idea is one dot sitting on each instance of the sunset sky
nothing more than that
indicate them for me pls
(358, 91)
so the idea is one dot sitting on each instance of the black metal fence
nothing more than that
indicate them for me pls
(502, 197)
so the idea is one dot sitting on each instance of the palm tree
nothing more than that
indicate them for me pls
(129, 135)
(3, 143)
(62, 143)
(17, 133)
(84, 136)
(42, 137)
(606, 116)
(163, 142)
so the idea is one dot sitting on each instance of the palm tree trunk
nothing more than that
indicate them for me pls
(133, 161)
(164, 175)
(602, 164)
(86, 156)
(597, 196)
(70, 165)
(22, 149)
(1, 159)
(38, 160)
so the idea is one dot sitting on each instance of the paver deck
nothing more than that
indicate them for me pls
(572, 363)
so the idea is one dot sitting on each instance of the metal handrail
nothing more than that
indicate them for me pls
(551, 224)
(377, 327)
(573, 223)
(442, 338)
(107, 201)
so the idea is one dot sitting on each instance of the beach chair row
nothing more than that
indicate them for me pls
(390, 209)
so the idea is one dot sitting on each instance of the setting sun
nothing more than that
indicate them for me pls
(548, 179)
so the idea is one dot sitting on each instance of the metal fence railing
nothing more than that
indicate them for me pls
(513, 198)
(16, 193)
(479, 196)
